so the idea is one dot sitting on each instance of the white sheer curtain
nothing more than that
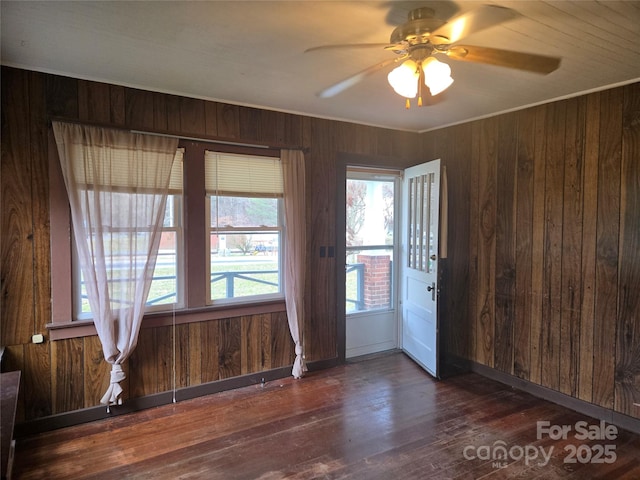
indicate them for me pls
(117, 183)
(293, 173)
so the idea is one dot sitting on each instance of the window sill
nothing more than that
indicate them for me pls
(86, 328)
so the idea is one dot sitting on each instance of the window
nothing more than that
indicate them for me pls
(237, 225)
(245, 226)
(167, 285)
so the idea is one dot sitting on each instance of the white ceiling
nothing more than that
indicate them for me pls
(253, 53)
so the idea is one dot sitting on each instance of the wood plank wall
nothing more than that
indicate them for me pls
(66, 375)
(541, 280)
(545, 218)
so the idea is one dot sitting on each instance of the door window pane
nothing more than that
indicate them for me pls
(370, 244)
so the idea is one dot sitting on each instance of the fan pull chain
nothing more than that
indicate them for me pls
(420, 83)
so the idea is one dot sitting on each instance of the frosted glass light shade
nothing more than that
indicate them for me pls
(404, 79)
(437, 75)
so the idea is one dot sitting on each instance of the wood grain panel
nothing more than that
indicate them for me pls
(161, 112)
(164, 358)
(607, 246)
(62, 97)
(291, 131)
(537, 245)
(185, 116)
(572, 246)
(227, 119)
(37, 380)
(248, 121)
(272, 127)
(384, 143)
(523, 245)
(94, 102)
(406, 146)
(117, 105)
(485, 333)
(552, 260)
(194, 348)
(209, 350)
(454, 317)
(143, 371)
(182, 356)
(459, 181)
(211, 119)
(588, 258)
(266, 345)
(139, 109)
(282, 348)
(505, 242)
(192, 116)
(16, 223)
(474, 234)
(230, 348)
(251, 351)
(67, 377)
(321, 322)
(39, 131)
(627, 374)
(97, 372)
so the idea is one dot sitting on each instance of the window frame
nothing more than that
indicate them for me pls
(195, 307)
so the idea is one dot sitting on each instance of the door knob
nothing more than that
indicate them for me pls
(432, 288)
(433, 257)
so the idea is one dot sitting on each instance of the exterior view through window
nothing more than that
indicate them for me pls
(245, 213)
(166, 287)
(244, 231)
(369, 244)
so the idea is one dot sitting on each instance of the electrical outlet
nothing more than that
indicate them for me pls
(37, 338)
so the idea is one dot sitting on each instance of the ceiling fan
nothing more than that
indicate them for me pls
(416, 42)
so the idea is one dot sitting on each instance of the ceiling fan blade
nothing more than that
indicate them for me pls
(346, 45)
(349, 82)
(504, 58)
(471, 22)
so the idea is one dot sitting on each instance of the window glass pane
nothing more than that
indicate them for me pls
(369, 212)
(164, 288)
(245, 264)
(370, 228)
(243, 212)
(369, 280)
(165, 285)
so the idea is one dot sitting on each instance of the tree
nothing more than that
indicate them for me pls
(356, 204)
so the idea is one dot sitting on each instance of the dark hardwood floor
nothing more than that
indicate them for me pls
(379, 418)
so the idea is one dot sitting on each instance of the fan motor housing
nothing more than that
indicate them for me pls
(418, 28)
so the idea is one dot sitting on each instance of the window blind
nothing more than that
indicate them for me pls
(242, 175)
(112, 166)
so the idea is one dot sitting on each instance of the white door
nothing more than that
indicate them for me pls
(419, 264)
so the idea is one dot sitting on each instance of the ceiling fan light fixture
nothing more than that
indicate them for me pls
(404, 79)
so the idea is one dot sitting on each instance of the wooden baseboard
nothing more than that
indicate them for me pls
(596, 411)
(91, 414)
